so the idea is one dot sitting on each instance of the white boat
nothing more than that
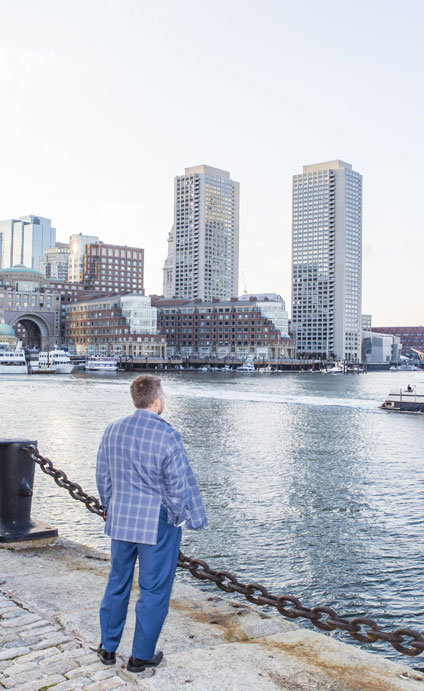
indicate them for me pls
(408, 400)
(98, 363)
(12, 361)
(405, 367)
(56, 361)
(247, 366)
(335, 369)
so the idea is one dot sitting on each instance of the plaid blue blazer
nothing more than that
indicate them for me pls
(141, 464)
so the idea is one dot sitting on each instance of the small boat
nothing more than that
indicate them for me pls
(12, 360)
(97, 363)
(247, 366)
(56, 361)
(335, 369)
(404, 367)
(407, 400)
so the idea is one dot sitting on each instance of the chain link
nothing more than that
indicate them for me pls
(405, 641)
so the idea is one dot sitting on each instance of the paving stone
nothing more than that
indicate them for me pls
(9, 653)
(86, 657)
(49, 641)
(20, 621)
(73, 684)
(20, 668)
(46, 630)
(13, 682)
(105, 684)
(85, 669)
(36, 655)
(62, 666)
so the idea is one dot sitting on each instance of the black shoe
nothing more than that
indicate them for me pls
(105, 657)
(136, 665)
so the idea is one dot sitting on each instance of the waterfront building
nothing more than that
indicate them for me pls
(77, 245)
(225, 328)
(366, 322)
(55, 262)
(113, 269)
(35, 306)
(114, 325)
(327, 260)
(24, 241)
(30, 306)
(203, 245)
(379, 348)
(410, 336)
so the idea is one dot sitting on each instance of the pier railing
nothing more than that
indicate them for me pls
(17, 459)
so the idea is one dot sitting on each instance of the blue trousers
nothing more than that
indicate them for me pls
(157, 565)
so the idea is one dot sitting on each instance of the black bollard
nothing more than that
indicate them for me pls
(16, 483)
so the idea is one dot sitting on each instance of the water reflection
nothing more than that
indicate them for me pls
(309, 488)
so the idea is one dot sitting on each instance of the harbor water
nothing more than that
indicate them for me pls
(309, 487)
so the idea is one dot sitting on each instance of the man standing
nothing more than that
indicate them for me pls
(149, 491)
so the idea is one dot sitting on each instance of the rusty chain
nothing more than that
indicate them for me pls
(362, 629)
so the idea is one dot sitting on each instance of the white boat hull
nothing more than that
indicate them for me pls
(13, 369)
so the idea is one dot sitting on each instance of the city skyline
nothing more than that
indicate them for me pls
(104, 125)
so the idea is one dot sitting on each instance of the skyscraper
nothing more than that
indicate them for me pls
(77, 245)
(327, 260)
(24, 240)
(203, 245)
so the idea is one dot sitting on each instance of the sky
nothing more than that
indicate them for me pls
(103, 102)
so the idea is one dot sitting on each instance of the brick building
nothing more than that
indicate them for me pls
(113, 269)
(410, 337)
(114, 325)
(233, 328)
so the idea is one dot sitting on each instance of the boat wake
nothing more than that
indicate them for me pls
(282, 399)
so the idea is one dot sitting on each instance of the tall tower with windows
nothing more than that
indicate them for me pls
(203, 245)
(327, 260)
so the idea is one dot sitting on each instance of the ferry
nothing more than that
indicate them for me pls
(12, 361)
(407, 400)
(98, 363)
(56, 361)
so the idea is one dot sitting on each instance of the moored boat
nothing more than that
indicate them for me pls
(56, 361)
(408, 400)
(97, 363)
(12, 360)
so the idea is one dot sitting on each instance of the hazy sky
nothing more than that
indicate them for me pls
(103, 102)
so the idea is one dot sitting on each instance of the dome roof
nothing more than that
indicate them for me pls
(21, 269)
(6, 330)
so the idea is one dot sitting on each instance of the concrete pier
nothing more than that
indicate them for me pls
(49, 600)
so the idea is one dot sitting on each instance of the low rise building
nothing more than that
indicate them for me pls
(113, 269)
(410, 337)
(380, 348)
(253, 326)
(114, 325)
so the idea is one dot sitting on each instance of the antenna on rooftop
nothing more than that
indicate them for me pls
(244, 283)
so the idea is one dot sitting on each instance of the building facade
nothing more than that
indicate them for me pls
(379, 348)
(23, 241)
(55, 262)
(113, 269)
(203, 245)
(366, 322)
(31, 306)
(229, 328)
(114, 325)
(410, 336)
(327, 260)
(77, 245)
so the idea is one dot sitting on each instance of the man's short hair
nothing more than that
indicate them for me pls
(145, 389)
